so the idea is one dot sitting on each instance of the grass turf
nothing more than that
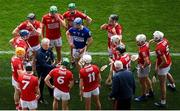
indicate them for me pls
(136, 16)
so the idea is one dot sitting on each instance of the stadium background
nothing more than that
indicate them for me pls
(136, 16)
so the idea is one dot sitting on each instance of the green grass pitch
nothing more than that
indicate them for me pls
(136, 16)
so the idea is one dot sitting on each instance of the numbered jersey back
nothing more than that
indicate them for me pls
(62, 78)
(27, 84)
(90, 77)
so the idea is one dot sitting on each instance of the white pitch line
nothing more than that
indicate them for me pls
(9, 78)
(92, 53)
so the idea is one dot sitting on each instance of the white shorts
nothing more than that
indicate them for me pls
(76, 53)
(56, 42)
(164, 71)
(34, 48)
(143, 72)
(58, 94)
(29, 104)
(94, 92)
(15, 83)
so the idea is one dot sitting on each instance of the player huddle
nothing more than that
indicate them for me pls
(26, 41)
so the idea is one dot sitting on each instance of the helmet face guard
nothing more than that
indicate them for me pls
(31, 16)
(121, 49)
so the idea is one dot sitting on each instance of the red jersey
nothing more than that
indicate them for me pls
(16, 64)
(19, 42)
(109, 28)
(162, 48)
(33, 39)
(144, 52)
(90, 76)
(125, 59)
(70, 17)
(62, 78)
(28, 84)
(52, 26)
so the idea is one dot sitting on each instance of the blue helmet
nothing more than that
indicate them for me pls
(78, 21)
(23, 33)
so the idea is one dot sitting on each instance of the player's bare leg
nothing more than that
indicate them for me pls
(143, 85)
(55, 104)
(16, 97)
(149, 87)
(162, 80)
(171, 81)
(65, 105)
(58, 51)
(72, 58)
(34, 60)
(87, 103)
(78, 68)
(97, 101)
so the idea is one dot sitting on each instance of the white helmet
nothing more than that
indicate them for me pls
(87, 58)
(118, 64)
(141, 38)
(115, 39)
(157, 35)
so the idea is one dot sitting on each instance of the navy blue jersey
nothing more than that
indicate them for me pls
(79, 36)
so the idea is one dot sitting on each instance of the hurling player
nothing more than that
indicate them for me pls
(52, 23)
(29, 88)
(90, 78)
(79, 38)
(143, 68)
(17, 64)
(163, 65)
(112, 28)
(63, 82)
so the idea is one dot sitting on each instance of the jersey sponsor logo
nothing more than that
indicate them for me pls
(78, 39)
(53, 25)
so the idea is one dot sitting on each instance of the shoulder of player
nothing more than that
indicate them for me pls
(118, 26)
(45, 15)
(86, 29)
(65, 14)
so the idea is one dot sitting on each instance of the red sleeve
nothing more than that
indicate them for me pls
(43, 20)
(81, 15)
(118, 30)
(70, 76)
(38, 24)
(81, 73)
(51, 73)
(96, 68)
(65, 15)
(22, 26)
(61, 17)
(36, 81)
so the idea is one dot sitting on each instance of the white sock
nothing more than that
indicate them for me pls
(163, 101)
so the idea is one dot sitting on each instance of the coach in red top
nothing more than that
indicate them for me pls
(163, 64)
(52, 23)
